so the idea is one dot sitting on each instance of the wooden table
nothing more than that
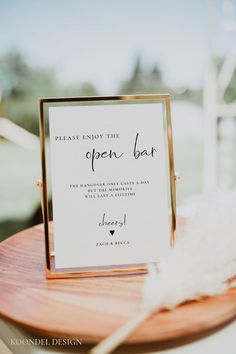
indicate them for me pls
(90, 309)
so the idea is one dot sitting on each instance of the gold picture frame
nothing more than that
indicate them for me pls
(44, 103)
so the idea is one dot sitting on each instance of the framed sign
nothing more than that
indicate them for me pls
(108, 164)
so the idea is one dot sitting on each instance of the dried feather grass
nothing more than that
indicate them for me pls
(203, 260)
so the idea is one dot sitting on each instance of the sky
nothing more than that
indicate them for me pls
(99, 40)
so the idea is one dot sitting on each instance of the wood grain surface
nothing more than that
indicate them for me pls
(90, 308)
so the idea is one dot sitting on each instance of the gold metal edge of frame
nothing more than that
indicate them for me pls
(103, 98)
(101, 273)
(43, 188)
(51, 274)
(171, 171)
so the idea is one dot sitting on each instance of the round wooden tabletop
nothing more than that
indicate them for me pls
(90, 308)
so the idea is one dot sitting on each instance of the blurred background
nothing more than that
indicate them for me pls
(78, 47)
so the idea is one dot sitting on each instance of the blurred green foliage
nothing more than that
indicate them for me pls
(22, 85)
(150, 80)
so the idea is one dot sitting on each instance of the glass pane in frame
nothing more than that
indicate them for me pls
(45, 105)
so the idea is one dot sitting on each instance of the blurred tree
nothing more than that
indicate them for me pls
(142, 81)
(22, 85)
(14, 73)
(88, 89)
